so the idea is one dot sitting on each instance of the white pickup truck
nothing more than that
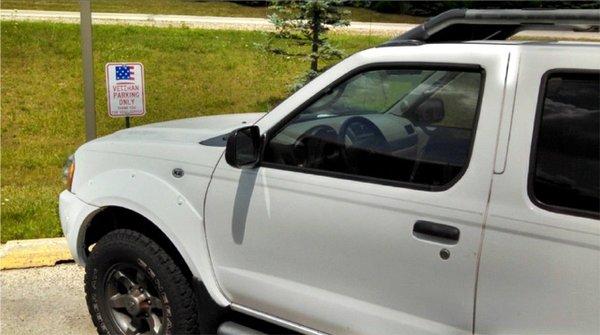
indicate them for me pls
(446, 182)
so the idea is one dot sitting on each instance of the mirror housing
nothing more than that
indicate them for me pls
(243, 147)
(431, 111)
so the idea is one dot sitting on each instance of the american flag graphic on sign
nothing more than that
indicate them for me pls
(124, 72)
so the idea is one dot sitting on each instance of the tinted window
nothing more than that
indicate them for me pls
(565, 163)
(403, 125)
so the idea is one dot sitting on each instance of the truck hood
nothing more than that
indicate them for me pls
(192, 130)
(195, 145)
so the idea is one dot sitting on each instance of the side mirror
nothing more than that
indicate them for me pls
(431, 111)
(243, 147)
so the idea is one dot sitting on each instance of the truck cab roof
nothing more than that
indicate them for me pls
(462, 25)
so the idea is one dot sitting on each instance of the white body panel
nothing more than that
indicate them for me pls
(339, 255)
(74, 214)
(540, 270)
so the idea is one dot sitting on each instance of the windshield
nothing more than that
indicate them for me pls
(394, 91)
(369, 92)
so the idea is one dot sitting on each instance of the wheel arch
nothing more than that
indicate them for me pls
(111, 218)
(149, 205)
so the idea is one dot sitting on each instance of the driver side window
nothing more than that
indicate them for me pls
(412, 126)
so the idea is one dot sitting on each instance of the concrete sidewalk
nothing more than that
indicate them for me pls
(44, 301)
(239, 23)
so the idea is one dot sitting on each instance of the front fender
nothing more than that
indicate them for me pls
(163, 205)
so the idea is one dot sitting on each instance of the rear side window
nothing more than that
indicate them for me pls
(566, 148)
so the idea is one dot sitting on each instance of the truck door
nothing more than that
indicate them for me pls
(366, 213)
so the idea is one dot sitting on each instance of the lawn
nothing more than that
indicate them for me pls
(189, 7)
(188, 73)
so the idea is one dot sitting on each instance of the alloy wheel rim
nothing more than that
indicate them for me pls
(133, 301)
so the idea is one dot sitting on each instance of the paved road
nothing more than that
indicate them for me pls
(236, 23)
(205, 22)
(44, 301)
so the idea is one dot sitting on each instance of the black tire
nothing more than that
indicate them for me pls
(112, 296)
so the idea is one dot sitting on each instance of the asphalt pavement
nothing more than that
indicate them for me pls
(51, 301)
(47, 300)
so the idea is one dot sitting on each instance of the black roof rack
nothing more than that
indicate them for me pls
(458, 25)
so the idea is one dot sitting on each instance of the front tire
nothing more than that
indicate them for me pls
(133, 286)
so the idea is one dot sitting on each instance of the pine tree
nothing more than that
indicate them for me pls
(306, 24)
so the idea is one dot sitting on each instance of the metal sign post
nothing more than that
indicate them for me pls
(88, 69)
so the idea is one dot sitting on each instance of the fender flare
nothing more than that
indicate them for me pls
(163, 205)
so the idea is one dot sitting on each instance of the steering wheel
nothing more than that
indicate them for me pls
(315, 146)
(361, 143)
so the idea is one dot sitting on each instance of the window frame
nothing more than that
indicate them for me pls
(274, 130)
(534, 144)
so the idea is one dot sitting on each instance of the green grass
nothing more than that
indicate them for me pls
(189, 7)
(189, 73)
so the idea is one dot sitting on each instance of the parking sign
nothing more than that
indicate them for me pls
(125, 89)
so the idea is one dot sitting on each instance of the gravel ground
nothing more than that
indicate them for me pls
(44, 301)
